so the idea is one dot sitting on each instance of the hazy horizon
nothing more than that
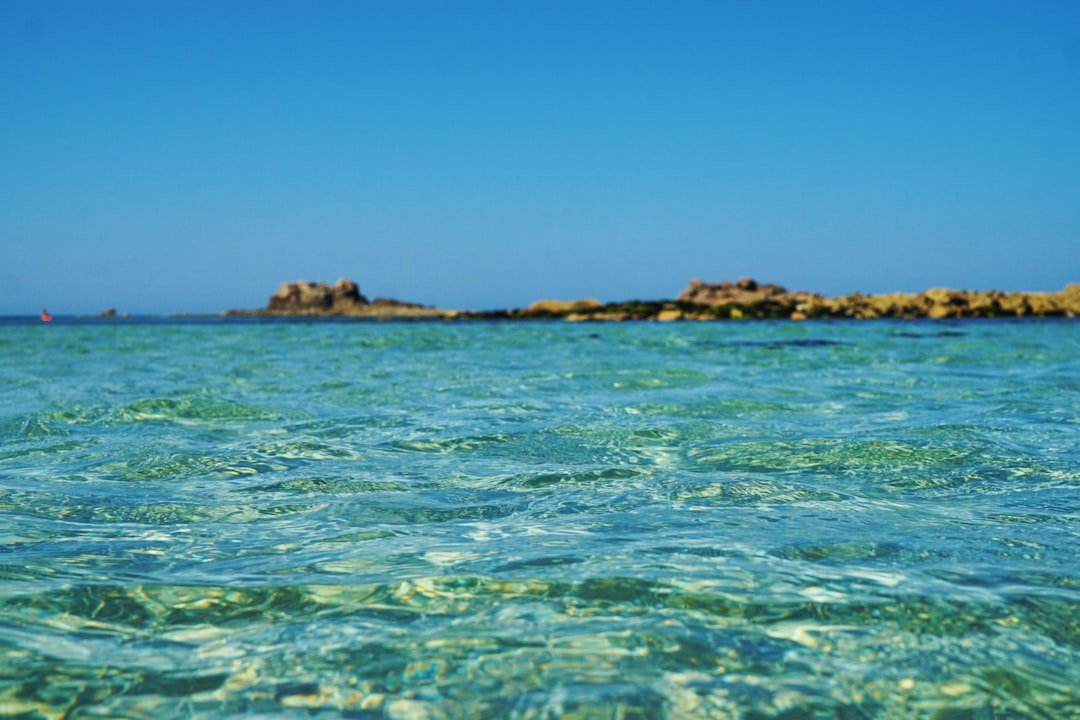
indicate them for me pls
(192, 156)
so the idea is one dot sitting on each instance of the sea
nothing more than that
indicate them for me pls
(215, 517)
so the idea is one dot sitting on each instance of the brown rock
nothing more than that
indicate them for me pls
(936, 312)
(561, 307)
(985, 304)
(743, 292)
(1015, 304)
(1070, 300)
(313, 298)
(895, 305)
(946, 296)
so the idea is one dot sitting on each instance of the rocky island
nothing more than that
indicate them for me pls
(341, 298)
(743, 299)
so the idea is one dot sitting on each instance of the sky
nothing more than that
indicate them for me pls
(190, 156)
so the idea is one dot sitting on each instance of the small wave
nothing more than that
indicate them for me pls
(196, 409)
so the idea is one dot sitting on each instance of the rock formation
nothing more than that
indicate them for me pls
(563, 307)
(746, 295)
(743, 299)
(748, 299)
(341, 298)
(302, 298)
(938, 303)
(742, 292)
(935, 303)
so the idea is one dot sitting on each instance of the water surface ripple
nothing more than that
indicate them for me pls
(540, 520)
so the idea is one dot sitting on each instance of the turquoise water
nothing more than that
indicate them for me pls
(540, 520)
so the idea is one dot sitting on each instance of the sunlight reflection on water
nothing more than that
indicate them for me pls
(540, 520)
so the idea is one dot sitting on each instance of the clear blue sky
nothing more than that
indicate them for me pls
(160, 156)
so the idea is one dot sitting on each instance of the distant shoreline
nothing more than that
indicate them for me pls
(744, 299)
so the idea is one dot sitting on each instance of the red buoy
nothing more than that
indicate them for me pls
(45, 316)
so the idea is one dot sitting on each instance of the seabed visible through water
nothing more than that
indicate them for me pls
(540, 520)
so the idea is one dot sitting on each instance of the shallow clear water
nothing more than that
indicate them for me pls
(540, 520)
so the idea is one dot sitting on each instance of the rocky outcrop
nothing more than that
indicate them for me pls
(939, 303)
(303, 298)
(563, 307)
(743, 299)
(936, 303)
(744, 291)
(748, 299)
(341, 298)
